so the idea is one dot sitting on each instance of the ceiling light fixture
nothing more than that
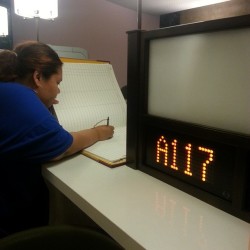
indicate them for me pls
(4, 31)
(45, 9)
(200, 3)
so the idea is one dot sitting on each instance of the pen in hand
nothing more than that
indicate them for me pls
(102, 121)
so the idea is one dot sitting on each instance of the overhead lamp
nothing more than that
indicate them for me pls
(4, 31)
(45, 9)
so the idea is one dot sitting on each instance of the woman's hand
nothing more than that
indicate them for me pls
(104, 132)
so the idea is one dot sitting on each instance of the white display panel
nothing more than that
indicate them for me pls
(202, 79)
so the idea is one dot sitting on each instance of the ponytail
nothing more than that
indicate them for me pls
(8, 66)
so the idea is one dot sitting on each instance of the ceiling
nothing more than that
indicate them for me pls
(159, 7)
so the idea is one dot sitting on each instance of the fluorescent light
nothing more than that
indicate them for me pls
(45, 9)
(200, 3)
(3, 21)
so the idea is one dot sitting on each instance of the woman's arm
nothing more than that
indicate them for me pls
(85, 138)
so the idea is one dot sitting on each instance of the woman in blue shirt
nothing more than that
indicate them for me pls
(30, 135)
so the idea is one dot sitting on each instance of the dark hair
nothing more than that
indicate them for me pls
(38, 56)
(8, 62)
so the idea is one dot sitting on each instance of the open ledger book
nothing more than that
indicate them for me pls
(90, 93)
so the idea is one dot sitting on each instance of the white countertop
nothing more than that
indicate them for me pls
(141, 212)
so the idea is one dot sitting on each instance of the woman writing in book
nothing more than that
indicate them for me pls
(30, 135)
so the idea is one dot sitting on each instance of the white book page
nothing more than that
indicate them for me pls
(89, 93)
(113, 149)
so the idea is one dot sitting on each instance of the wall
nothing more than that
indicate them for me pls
(216, 11)
(98, 26)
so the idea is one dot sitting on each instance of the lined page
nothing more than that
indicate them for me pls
(89, 93)
(113, 149)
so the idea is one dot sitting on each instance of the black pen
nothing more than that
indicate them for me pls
(108, 121)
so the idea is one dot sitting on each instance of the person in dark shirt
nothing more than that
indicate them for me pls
(30, 135)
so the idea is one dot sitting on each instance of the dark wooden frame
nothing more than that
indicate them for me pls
(138, 118)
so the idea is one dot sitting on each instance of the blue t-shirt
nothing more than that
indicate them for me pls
(28, 131)
(29, 136)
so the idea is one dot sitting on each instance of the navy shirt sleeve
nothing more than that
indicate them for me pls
(28, 131)
(45, 141)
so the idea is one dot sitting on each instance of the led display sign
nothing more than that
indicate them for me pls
(205, 164)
